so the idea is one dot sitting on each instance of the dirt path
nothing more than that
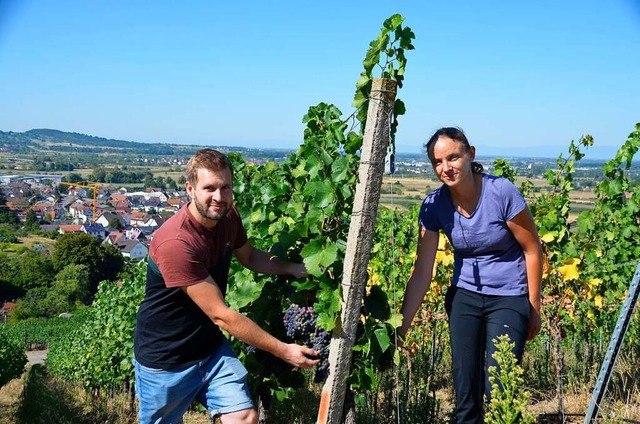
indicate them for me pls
(36, 356)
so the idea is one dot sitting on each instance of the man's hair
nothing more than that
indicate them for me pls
(209, 159)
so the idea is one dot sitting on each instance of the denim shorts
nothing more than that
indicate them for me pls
(218, 382)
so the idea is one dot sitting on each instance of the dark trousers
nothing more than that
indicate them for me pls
(474, 321)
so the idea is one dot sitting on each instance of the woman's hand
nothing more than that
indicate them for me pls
(535, 322)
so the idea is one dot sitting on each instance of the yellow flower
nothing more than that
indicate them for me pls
(547, 238)
(442, 243)
(598, 301)
(446, 258)
(374, 280)
(594, 282)
(569, 270)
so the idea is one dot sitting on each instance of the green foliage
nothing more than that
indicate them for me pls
(386, 54)
(509, 401)
(99, 353)
(9, 217)
(12, 358)
(103, 261)
(39, 332)
(73, 282)
(300, 210)
(28, 270)
(40, 303)
(609, 235)
(31, 222)
(501, 168)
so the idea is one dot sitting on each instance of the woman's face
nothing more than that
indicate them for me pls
(452, 161)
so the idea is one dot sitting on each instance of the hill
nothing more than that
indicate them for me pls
(48, 140)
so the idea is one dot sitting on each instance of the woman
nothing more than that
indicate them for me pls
(496, 281)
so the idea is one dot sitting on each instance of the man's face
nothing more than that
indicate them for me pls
(212, 195)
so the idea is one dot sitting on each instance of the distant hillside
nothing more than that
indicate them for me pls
(48, 140)
(44, 142)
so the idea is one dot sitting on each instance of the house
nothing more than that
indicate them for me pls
(45, 209)
(69, 228)
(133, 249)
(153, 221)
(46, 228)
(108, 218)
(137, 218)
(94, 230)
(5, 311)
(113, 237)
(174, 203)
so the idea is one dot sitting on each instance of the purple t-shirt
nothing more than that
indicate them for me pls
(487, 257)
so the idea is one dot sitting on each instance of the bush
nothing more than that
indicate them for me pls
(12, 358)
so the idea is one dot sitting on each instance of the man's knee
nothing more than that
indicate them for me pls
(246, 416)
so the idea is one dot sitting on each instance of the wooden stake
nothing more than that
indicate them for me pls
(359, 242)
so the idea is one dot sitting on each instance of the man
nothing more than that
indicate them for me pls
(180, 352)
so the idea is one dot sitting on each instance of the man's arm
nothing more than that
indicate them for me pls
(208, 297)
(266, 263)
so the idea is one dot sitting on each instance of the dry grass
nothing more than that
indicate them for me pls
(577, 405)
(33, 240)
(11, 399)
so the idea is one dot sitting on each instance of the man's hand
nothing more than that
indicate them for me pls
(298, 270)
(300, 356)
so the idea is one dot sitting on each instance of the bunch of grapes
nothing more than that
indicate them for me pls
(321, 341)
(300, 323)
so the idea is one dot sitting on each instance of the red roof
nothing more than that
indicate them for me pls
(8, 306)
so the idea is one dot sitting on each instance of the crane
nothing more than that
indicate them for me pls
(92, 186)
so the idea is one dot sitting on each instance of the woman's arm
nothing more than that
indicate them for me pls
(524, 230)
(420, 279)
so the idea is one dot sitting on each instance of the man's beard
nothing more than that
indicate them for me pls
(204, 211)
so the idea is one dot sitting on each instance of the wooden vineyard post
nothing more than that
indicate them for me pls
(359, 242)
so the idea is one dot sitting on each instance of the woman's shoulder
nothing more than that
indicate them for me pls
(434, 196)
(497, 181)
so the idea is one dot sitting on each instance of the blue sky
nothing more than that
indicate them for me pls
(514, 75)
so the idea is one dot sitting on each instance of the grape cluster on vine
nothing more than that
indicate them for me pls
(300, 323)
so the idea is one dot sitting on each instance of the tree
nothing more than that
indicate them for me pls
(29, 270)
(148, 181)
(31, 222)
(74, 178)
(73, 283)
(116, 223)
(39, 303)
(103, 262)
(171, 183)
(7, 216)
(98, 174)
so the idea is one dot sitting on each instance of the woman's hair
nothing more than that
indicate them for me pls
(209, 159)
(455, 134)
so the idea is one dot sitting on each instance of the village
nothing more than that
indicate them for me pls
(117, 217)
